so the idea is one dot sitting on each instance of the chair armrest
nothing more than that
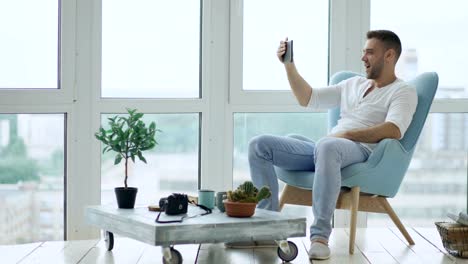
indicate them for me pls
(383, 171)
(386, 146)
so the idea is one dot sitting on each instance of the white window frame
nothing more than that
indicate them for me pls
(346, 39)
(211, 106)
(52, 101)
(79, 96)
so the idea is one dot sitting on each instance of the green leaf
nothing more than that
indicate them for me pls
(140, 156)
(138, 116)
(118, 158)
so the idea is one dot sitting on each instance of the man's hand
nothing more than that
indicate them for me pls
(371, 134)
(281, 49)
(339, 135)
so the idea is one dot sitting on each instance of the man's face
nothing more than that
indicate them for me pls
(373, 58)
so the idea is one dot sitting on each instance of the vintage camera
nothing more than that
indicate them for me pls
(174, 204)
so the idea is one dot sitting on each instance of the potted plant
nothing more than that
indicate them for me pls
(242, 201)
(129, 137)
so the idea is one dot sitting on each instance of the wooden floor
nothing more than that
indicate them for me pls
(373, 245)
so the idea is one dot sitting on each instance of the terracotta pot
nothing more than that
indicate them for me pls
(237, 209)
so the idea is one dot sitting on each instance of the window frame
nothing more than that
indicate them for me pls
(80, 96)
(58, 100)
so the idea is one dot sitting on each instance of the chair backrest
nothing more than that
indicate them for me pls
(426, 87)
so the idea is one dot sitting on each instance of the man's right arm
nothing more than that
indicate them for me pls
(301, 89)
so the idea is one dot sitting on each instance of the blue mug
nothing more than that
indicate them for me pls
(206, 198)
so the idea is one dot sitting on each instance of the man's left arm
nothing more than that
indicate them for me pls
(397, 121)
(372, 134)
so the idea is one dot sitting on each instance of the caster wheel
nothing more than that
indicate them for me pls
(176, 257)
(292, 252)
(109, 239)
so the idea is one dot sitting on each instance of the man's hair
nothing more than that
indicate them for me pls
(389, 39)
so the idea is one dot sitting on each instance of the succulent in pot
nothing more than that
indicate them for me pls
(242, 201)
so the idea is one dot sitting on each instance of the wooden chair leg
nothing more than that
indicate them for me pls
(285, 195)
(383, 201)
(295, 195)
(354, 210)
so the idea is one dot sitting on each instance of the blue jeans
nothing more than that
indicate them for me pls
(295, 152)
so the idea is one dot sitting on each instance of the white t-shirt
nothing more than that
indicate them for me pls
(394, 103)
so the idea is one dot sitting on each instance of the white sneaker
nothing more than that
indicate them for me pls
(319, 251)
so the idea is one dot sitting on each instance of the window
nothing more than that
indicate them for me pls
(29, 46)
(151, 49)
(432, 40)
(172, 166)
(249, 125)
(305, 22)
(436, 181)
(31, 177)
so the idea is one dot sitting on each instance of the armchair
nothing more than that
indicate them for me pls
(367, 185)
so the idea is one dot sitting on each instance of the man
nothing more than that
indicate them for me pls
(374, 107)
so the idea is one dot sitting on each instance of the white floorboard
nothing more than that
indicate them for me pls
(14, 254)
(62, 252)
(425, 250)
(368, 242)
(373, 245)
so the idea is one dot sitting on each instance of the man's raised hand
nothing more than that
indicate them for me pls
(282, 49)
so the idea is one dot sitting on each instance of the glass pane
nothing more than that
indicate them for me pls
(249, 125)
(432, 40)
(147, 46)
(436, 181)
(304, 21)
(31, 177)
(29, 46)
(172, 166)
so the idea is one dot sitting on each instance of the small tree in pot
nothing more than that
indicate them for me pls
(128, 136)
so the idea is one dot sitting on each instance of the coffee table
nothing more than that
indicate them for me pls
(139, 224)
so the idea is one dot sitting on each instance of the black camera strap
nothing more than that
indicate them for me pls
(207, 211)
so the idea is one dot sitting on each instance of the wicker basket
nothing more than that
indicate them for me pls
(454, 238)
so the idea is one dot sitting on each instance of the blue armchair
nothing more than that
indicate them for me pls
(367, 185)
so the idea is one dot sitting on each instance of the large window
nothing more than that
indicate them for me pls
(249, 125)
(436, 181)
(106, 55)
(172, 166)
(151, 49)
(433, 39)
(31, 177)
(29, 46)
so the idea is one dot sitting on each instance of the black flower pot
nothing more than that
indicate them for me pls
(126, 197)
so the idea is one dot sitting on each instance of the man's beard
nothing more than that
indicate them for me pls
(376, 71)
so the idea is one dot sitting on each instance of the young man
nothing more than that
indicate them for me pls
(374, 107)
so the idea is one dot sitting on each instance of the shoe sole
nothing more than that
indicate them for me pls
(319, 258)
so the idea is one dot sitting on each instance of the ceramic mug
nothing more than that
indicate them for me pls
(206, 198)
(220, 196)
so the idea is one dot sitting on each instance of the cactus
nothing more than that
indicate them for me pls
(248, 193)
(248, 187)
(264, 193)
